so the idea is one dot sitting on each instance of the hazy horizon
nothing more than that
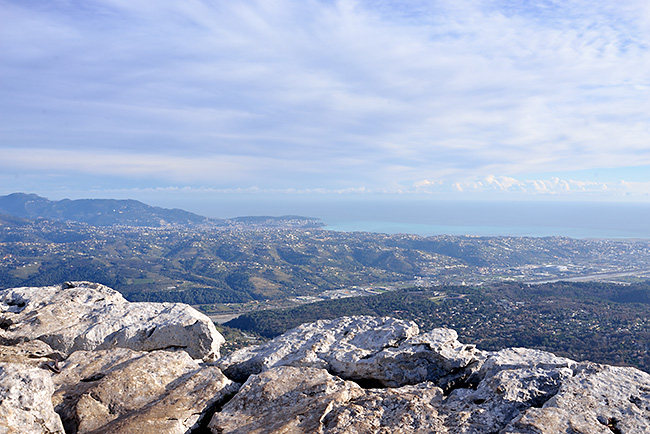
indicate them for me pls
(457, 217)
(435, 216)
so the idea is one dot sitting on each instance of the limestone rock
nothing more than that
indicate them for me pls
(86, 316)
(72, 347)
(310, 400)
(25, 401)
(597, 399)
(444, 386)
(320, 344)
(288, 399)
(379, 351)
(404, 410)
(511, 382)
(519, 392)
(518, 358)
(32, 353)
(436, 356)
(126, 391)
(283, 400)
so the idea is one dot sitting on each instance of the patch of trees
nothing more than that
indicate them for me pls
(576, 320)
(293, 257)
(191, 296)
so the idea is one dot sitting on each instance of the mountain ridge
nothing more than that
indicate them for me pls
(133, 213)
(99, 212)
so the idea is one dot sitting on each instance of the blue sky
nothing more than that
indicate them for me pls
(169, 100)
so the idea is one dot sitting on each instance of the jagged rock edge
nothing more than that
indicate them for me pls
(470, 382)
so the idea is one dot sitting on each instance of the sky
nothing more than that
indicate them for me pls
(187, 102)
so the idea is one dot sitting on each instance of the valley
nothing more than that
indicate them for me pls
(258, 277)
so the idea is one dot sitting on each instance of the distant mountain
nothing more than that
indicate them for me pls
(13, 221)
(99, 212)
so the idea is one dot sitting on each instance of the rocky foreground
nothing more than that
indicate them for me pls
(78, 358)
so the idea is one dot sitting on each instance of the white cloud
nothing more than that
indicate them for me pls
(215, 168)
(537, 187)
(331, 93)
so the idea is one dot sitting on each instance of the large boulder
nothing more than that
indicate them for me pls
(284, 400)
(406, 382)
(373, 351)
(87, 316)
(26, 401)
(596, 399)
(405, 410)
(122, 391)
(510, 382)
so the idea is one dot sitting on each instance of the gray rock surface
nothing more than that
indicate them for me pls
(596, 399)
(32, 353)
(126, 391)
(299, 383)
(509, 382)
(284, 400)
(87, 316)
(405, 410)
(26, 401)
(334, 345)
(380, 351)
(310, 400)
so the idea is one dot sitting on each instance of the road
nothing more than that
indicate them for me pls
(594, 276)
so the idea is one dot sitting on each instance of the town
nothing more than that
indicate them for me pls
(266, 265)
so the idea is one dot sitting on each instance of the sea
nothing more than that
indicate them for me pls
(575, 220)
(454, 217)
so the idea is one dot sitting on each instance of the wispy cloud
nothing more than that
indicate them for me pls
(325, 94)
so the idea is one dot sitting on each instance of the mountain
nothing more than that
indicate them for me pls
(13, 221)
(114, 212)
(124, 368)
(98, 212)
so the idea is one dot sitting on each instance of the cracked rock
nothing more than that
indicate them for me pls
(109, 366)
(126, 391)
(597, 399)
(26, 401)
(378, 351)
(88, 316)
(283, 399)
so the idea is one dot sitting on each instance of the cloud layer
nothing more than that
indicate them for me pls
(323, 94)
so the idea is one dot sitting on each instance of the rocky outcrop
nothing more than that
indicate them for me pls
(287, 399)
(520, 392)
(87, 316)
(284, 399)
(384, 352)
(32, 353)
(26, 401)
(104, 364)
(596, 399)
(509, 383)
(321, 377)
(349, 375)
(126, 391)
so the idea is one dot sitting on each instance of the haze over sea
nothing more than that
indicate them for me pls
(581, 220)
(481, 218)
